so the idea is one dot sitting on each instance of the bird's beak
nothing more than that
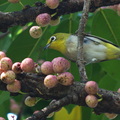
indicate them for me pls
(47, 46)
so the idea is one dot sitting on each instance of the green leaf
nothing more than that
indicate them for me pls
(38, 48)
(21, 46)
(4, 104)
(95, 72)
(5, 42)
(86, 113)
(68, 25)
(69, 108)
(112, 68)
(98, 117)
(13, 7)
(3, 4)
(106, 24)
(117, 118)
(108, 83)
(74, 70)
(5, 96)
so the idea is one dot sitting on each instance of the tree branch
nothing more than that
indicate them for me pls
(34, 86)
(28, 14)
(51, 108)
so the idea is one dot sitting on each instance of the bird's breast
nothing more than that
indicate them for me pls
(90, 48)
(71, 51)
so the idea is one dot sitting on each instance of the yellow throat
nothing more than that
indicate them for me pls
(58, 42)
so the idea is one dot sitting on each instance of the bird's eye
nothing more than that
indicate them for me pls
(53, 38)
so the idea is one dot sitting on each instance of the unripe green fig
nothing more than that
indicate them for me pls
(30, 101)
(35, 31)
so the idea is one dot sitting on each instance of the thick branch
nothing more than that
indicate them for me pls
(57, 105)
(28, 14)
(33, 85)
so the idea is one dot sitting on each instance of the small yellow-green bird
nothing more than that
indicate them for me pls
(95, 49)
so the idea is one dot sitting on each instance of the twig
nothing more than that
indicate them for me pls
(52, 107)
(74, 98)
(80, 56)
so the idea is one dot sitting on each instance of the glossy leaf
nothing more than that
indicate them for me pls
(21, 46)
(106, 24)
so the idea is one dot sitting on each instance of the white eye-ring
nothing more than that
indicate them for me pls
(53, 38)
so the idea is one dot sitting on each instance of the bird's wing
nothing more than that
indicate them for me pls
(99, 38)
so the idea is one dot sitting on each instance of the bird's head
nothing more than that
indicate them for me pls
(58, 42)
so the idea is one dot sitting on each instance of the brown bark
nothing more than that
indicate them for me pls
(33, 85)
(28, 14)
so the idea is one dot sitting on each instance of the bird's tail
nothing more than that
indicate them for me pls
(113, 52)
